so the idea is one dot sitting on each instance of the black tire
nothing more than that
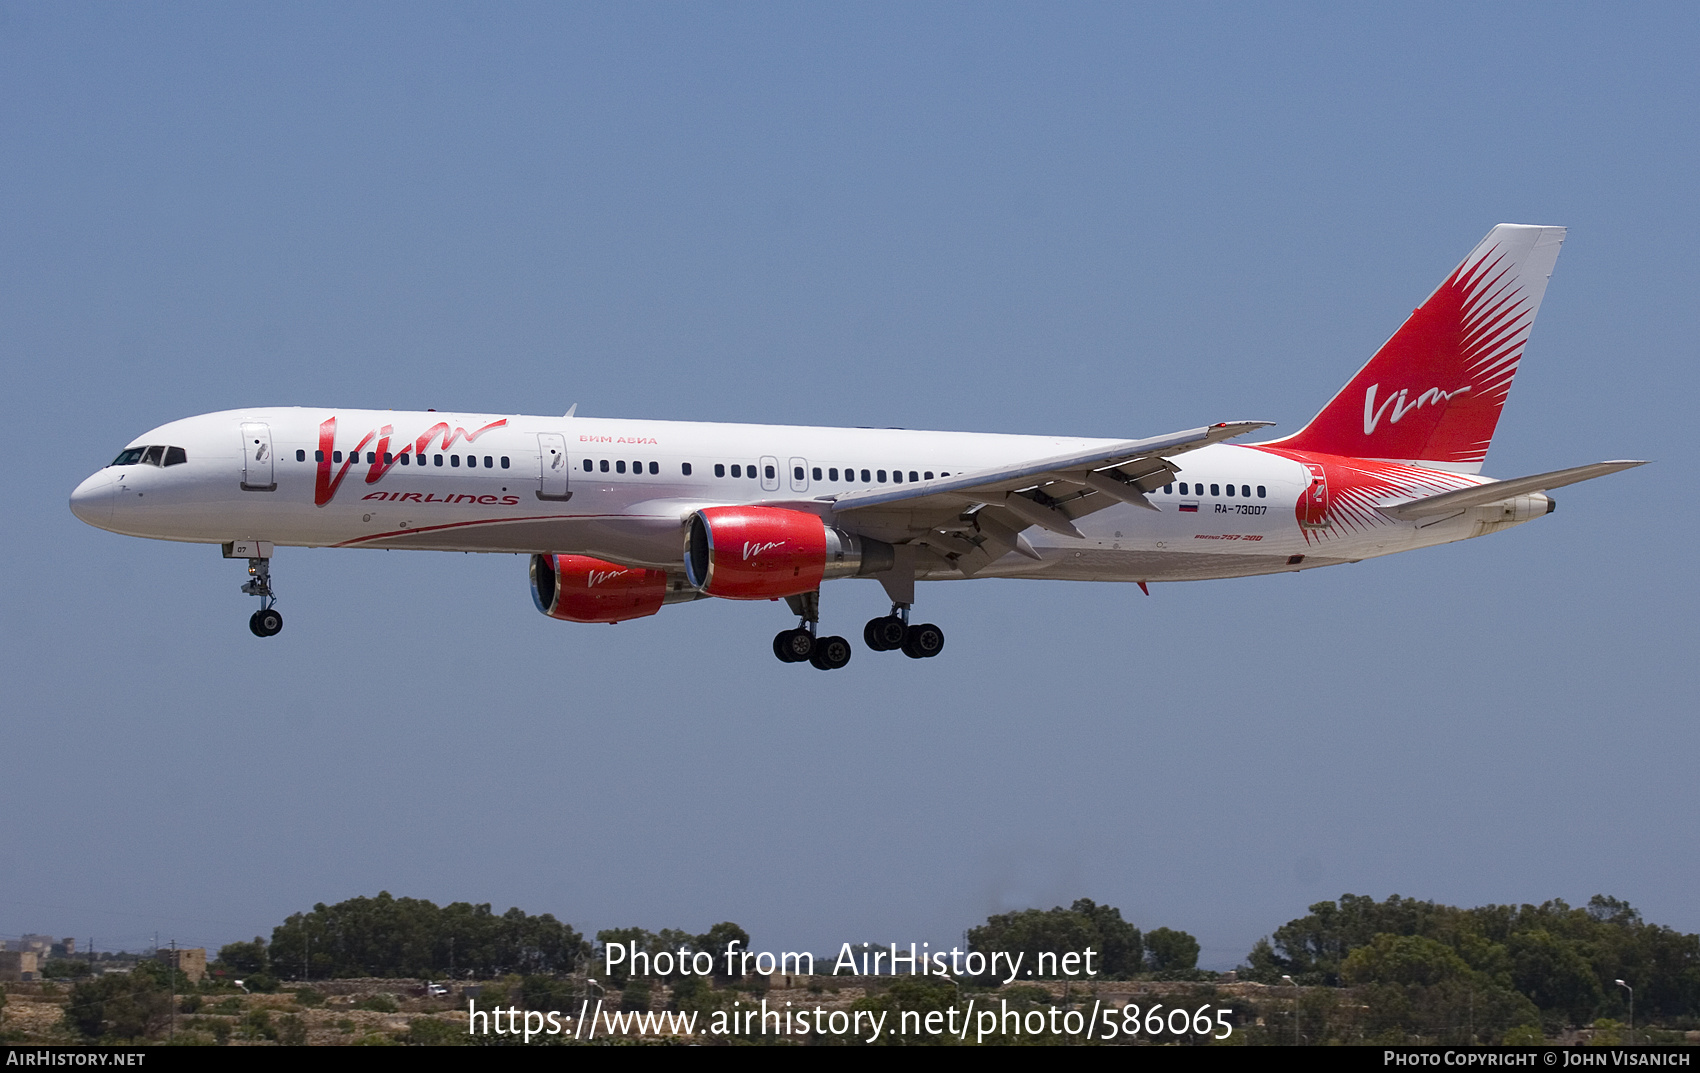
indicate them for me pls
(254, 625)
(268, 623)
(885, 634)
(924, 641)
(793, 646)
(871, 635)
(831, 653)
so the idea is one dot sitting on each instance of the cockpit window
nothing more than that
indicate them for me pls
(151, 455)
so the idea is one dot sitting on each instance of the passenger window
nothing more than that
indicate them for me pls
(685, 469)
(589, 466)
(504, 461)
(832, 474)
(750, 472)
(913, 476)
(371, 458)
(336, 456)
(880, 473)
(1230, 491)
(1261, 493)
(637, 467)
(655, 469)
(797, 473)
(1168, 489)
(603, 465)
(737, 471)
(402, 458)
(867, 479)
(897, 475)
(620, 466)
(719, 470)
(318, 456)
(389, 459)
(489, 463)
(300, 456)
(928, 475)
(944, 475)
(1215, 489)
(770, 472)
(454, 461)
(436, 460)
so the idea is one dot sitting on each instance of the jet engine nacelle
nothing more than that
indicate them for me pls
(762, 553)
(577, 588)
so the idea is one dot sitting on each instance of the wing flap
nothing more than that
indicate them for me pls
(1059, 488)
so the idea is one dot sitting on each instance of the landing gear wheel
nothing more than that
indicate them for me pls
(793, 646)
(885, 634)
(924, 641)
(266, 623)
(830, 653)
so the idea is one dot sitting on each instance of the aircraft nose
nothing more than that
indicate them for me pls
(92, 500)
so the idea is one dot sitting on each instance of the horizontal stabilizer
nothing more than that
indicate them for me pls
(1495, 491)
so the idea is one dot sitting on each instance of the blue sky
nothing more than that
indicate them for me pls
(1106, 220)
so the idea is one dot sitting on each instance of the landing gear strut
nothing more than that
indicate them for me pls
(267, 621)
(801, 645)
(893, 633)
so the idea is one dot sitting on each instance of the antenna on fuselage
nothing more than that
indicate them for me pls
(571, 410)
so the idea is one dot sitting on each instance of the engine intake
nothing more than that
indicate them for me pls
(577, 588)
(761, 553)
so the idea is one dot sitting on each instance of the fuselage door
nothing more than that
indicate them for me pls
(257, 457)
(552, 467)
(1313, 502)
(769, 473)
(799, 475)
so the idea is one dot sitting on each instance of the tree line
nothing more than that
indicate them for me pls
(1359, 968)
(408, 937)
(1548, 963)
(1351, 970)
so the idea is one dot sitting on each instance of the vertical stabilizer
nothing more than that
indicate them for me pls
(1432, 394)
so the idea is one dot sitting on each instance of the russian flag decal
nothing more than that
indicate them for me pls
(1189, 508)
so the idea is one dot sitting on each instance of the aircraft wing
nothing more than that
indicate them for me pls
(977, 517)
(1494, 491)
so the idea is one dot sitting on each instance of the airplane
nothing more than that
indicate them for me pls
(623, 517)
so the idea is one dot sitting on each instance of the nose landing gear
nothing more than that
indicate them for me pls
(267, 621)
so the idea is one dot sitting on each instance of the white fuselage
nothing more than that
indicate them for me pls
(621, 490)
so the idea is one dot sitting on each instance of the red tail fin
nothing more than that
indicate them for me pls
(1432, 394)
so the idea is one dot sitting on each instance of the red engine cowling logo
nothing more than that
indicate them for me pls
(755, 553)
(577, 588)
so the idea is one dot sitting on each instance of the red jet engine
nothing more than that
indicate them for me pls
(577, 588)
(762, 553)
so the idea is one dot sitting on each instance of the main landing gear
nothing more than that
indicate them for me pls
(893, 633)
(267, 621)
(802, 646)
